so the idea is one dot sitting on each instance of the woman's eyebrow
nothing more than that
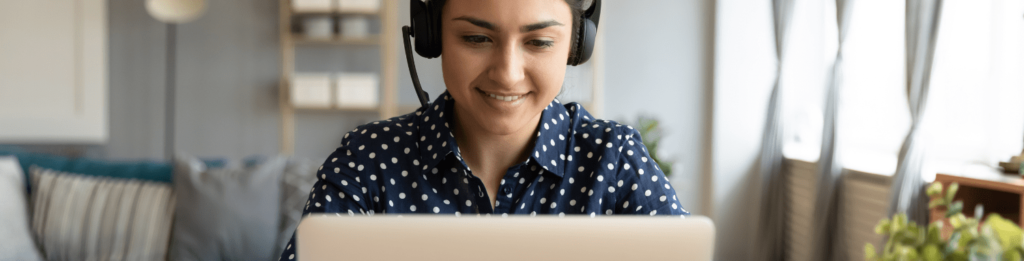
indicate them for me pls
(477, 22)
(526, 28)
(538, 26)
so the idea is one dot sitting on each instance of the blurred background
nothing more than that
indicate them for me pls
(118, 84)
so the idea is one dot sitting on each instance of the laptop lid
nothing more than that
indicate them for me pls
(446, 237)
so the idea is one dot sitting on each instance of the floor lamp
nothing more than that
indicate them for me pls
(172, 12)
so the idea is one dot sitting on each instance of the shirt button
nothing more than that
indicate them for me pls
(506, 190)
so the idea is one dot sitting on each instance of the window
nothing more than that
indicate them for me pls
(811, 47)
(975, 110)
(873, 113)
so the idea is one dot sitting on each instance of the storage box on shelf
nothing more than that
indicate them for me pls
(356, 90)
(311, 91)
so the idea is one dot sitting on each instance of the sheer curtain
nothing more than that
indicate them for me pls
(975, 115)
(827, 235)
(773, 199)
(907, 194)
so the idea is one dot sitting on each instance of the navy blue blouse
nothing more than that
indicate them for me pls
(411, 164)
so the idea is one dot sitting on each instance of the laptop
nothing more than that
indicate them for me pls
(448, 237)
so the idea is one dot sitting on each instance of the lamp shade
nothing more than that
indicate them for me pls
(176, 11)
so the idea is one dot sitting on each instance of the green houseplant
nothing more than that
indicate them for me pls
(994, 239)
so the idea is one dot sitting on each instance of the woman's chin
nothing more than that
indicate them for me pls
(505, 125)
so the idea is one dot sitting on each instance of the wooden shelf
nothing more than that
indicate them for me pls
(344, 109)
(997, 192)
(334, 12)
(299, 39)
(386, 41)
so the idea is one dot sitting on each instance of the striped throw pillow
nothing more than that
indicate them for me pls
(78, 217)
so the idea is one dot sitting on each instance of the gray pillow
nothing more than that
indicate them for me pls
(226, 214)
(16, 241)
(299, 177)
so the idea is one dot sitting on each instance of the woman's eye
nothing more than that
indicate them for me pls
(541, 43)
(476, 39)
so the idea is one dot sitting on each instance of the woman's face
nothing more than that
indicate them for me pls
(504, 61)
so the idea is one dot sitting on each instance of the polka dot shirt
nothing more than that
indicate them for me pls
(411, 164)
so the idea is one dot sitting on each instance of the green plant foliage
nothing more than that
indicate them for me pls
(651, 133)
(995, 239)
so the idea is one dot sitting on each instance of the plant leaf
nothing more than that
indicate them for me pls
(934, 232)
(952, 245)
(1011, 255)
(931, 252)
(882, 228)
(1008, 233)
(951, 191)
(869, 252)
(934, 189)
(955, 208)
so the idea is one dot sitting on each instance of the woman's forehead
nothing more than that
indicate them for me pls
(506, 14)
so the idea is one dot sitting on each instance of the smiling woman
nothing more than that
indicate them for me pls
(497, 141)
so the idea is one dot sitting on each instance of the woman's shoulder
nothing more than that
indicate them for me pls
(600, 131)
(376, 140)
(395, 129)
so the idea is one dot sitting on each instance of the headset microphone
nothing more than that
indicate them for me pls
(422, 95)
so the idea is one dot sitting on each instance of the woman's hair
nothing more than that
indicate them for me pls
(575, 6)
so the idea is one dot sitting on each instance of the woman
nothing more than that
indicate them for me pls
(497, 141)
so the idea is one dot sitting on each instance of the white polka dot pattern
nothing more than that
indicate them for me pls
(411, 164)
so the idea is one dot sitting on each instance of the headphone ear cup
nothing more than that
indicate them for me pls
(435, 28)
(585, 45)
(424, 29)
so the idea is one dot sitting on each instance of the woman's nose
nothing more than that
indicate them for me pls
(507, 66)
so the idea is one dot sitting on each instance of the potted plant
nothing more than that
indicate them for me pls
(994, 239)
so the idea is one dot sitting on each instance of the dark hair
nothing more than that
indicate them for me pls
(575, 6)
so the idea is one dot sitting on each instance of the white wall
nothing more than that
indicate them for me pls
(744, 74)
(658, 63)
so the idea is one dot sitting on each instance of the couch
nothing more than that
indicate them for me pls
(61, 208)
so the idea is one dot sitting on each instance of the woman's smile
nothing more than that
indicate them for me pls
(514, 99)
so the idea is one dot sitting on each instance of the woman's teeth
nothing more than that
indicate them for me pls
(506, 98)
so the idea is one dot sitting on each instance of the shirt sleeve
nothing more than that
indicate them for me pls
(338, 190)
(649, 190)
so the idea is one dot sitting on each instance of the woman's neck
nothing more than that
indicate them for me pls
(490, 154)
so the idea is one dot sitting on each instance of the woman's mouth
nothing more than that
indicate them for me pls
(515, 99)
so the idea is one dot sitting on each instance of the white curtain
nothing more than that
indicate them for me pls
(772, 227)
(922, 23)
(827, 231)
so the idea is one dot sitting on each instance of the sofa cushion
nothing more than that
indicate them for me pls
(16, 242)
(226, 214)
(80, 217)
(299, 177)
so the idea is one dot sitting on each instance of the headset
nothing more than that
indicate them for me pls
(426, 27)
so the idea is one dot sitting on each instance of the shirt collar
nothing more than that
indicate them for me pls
(436, 140)
(551, 149)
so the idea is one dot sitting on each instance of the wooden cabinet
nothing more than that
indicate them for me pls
(53, 72)
(997, 192)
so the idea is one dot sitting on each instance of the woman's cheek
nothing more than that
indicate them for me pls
(549, 75)
(460, 68)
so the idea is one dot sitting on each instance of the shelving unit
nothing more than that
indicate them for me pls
(998, 192)
(385, 41)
